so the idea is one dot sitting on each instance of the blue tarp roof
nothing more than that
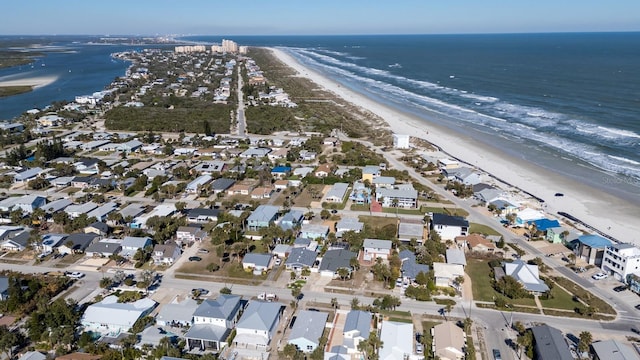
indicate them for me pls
(594, 241)
(544, 224)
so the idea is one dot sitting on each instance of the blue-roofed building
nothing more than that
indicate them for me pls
(544, 224)
(591, 248)
(280, 171)
(291, 219)
(261, 217)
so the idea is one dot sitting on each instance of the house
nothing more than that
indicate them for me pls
(280, 172)
(527, 215)
(357, 327)
(262, 216)
(255, 153)
(166, 254)
(259, 263)
(306, 155)
(291, 220)
(281, 250)
(221, 185)
(613, 350)
(476, 243)
(360, 194)
(526, 274)
(446, 274)
(370, 172)
(543, 224)
(51, 241)
(76, 210)
(302, 171)
(33, 355)
(258, 325)
(202, 215)
(323, 171)
(401, 141)
(153, 336)
(199, 183)
(28, 203)
(401, 196)
(300, 258)
(375, 248)
(307, 330)
(56, 205)
(16, 240)
(76, 243)
(27, 175)
(591, 248)
(336, 259)
(463, 175)
(348, 224)
(131, 245)
(397, 341)
(110, 317)
(314, 231)
(620, 260)
(179, 312)
(332, 141)
(337, 193)
(281, 184)
(213, 321)
(549, 343)
(98, 228)
(161, 210)
(384, 182)
(409, 268)
(556, 235)
(261, 192)
(189, 234)
(448, 341)
(449, 227)
(456, 256)
(337, 352)
(239, 189)
(104, 248)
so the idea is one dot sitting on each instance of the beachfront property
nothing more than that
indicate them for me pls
(449, 227)
(401, 141)
(591, 248)
(621, 260)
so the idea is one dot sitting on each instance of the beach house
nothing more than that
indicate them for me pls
(449, 227)
(307, 330)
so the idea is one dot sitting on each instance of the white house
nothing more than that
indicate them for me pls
(109, 317)
(131, 244)
(213, 321)
(357, 327)
(258, 324)
(448, 341)
(449, 227)
(166, 254)
(620, 260)
(375, 248)
(307, 330)
(397, 341)
(445, 274)
(401, 141)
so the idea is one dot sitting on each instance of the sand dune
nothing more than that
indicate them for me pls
(607, 213)
(35, 82)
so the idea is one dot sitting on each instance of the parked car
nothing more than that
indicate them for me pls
(200, 292)
(620, 288)
(496, 354)
(278, 262)
(195, 258)
(635, 330)
(599, 276)
(419, 348)
(637, 306)
(203, 251)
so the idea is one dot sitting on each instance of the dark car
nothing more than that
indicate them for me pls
(620, 288)
(635, 330)
(334, 211)
(559, 194)
(496, 354)
(195, 258)
(638, 306)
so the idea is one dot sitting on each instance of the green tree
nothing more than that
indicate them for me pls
(585, 341)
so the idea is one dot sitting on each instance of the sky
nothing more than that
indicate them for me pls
(314, 17)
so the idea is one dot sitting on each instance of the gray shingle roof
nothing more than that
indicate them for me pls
(358, 320)
(336, 259)
(300, 256)
(223, 307)
(550, 344)
(309, 325)
(260, 315)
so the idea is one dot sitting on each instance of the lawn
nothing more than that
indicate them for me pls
(305, 199)
(377, 222)
(480, 274)
(561, 300)
(445, 210)
(401, 211)
(584, 295)
(482, 229)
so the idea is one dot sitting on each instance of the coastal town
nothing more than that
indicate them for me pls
(183, 212)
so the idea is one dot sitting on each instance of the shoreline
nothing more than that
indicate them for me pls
(607, 213)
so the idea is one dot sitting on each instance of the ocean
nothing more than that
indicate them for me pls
(569, 103)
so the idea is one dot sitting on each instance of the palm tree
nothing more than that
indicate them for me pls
(585, 341)
(334, 303)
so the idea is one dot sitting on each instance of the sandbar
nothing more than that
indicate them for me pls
(610, 214)
(34, 82)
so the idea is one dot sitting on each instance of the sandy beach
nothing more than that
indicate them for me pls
(607, 213)
(34, 82)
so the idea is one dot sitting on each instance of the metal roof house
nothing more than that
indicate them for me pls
(177, 312)
(591, 248)
(258, 324)
(613, 350)
(307, 330)
(357, 327)
(299, 258)
(397, 341)
(262, 216)
(213, 321)
(527, 275)
(337, 192)
(109, 317)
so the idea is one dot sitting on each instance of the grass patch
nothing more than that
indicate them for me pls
(445, 210)
(359, 207)
(304, 199)
(560, 300)
(573, 314)
(14, 90)
(402, 211)
(482, 229)
(590, 299)
(480, 274)
(444, 302)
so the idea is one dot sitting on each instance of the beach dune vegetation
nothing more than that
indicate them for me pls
(171, 120)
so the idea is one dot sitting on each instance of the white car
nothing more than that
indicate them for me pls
(278, 262)
(75, 275)
(599, 276)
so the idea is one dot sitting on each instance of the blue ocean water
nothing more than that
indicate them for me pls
(567, 102)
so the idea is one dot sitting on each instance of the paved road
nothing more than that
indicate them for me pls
(242, 125)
